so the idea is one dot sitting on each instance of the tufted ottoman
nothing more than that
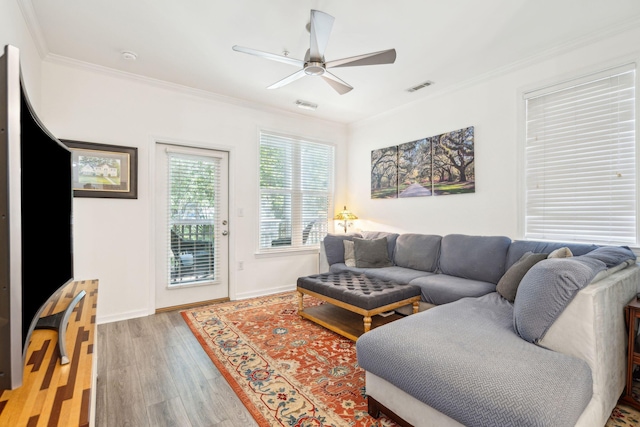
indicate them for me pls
(350, 294)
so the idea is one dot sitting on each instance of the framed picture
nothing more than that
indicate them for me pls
(102, 170)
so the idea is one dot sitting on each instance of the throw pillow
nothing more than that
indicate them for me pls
(509, 282)
(371, 253)
(391, 239)
(349, 256)
(612, 255)
(563, 252)
(334, 248)
(547, 289)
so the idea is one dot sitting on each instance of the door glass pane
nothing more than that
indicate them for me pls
(193, 216)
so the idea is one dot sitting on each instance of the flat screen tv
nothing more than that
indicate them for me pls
(36, 214)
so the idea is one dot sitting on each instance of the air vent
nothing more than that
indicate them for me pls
(306, 105)
(420, 86)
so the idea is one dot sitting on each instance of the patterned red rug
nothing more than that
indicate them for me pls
(286, 370)
(289, 371)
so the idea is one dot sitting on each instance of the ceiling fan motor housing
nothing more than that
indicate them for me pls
(314, 68)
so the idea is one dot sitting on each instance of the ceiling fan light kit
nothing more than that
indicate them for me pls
(314, 63)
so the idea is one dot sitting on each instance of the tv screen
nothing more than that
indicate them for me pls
(36, 206)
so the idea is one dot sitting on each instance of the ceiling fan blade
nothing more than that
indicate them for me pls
(340, 86)
(375, 58)
(293, 77)
(320, 29)
(272, 56)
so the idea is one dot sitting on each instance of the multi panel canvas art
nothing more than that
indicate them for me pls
(437, 165)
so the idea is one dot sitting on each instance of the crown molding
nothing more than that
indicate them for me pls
(611, 31)
(175, 87)
(33, 25)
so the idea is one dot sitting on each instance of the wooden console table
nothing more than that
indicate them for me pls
(53, 394)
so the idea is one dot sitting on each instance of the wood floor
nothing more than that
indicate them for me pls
(153, 372)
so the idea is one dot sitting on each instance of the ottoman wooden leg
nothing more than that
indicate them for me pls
(416, 306)
(300, 302)
(367, 323)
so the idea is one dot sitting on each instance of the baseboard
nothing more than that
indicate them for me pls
(121, 316)
(191, 305)
(265, 292)
(141, 313)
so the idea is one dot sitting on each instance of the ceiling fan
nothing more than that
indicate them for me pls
(314, 63)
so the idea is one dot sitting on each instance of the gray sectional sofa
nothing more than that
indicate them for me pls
(553, 355)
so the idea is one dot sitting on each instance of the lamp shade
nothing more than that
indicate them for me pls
(345, 215)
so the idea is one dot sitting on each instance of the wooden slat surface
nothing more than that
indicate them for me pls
(342, 321)
(342, 318)
(165, 378)
(53, 394)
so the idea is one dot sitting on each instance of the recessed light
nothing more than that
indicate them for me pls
(306, 105)
(129, 56)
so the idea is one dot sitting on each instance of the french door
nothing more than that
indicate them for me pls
(192, 244)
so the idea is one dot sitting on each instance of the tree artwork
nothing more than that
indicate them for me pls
(438, 165)
(415, 168)
(384, 173)
(453, 162)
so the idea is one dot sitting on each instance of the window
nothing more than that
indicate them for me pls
(296, 191)
(580, 160)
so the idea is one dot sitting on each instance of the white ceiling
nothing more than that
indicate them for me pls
(188, 42)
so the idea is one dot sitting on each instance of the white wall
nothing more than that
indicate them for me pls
(492, 106)
(13, 31)
(113, 237)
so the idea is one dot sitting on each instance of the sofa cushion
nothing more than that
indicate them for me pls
(508, 284)
(519, 247)
(442, 289)
(547, 289)
(474, 257)
(417, 251)
(334, 248)
(391, 239)
(371, 253)
(465, 360)
(401, 275)
(339, 267)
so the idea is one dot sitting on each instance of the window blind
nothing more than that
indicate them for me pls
(296, 191)
(192, 217)
(580, 161)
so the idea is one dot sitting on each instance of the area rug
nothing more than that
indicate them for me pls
(289, 371)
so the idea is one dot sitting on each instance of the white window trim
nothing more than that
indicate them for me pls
(568, 80)
(285, 251)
